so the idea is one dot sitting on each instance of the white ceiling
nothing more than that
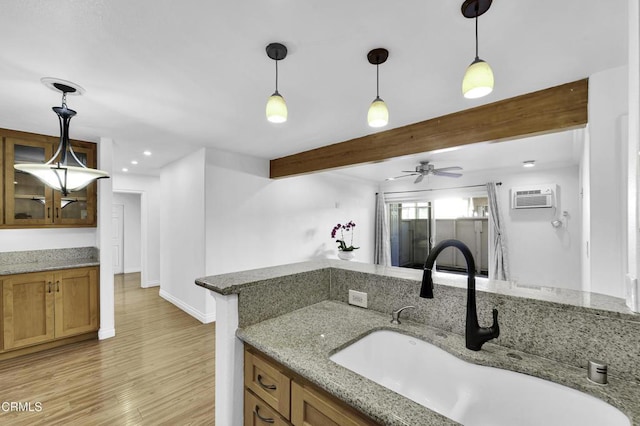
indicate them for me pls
(554, 150)
(173, 76)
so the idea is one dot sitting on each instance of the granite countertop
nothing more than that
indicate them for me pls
(599, 304)
(304, 339)
(52, 265)
(21, 262)
(233, 282)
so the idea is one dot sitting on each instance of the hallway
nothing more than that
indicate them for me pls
(158, 369)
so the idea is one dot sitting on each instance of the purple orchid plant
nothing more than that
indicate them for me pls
(347, 227)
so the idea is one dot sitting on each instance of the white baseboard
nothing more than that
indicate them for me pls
(106, 334)
(203, 318)
(152, 283)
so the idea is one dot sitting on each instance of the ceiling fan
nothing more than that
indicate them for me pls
(425, 169)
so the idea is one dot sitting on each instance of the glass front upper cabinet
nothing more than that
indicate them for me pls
(29, 202)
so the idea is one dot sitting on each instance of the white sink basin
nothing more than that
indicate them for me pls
(471, 394)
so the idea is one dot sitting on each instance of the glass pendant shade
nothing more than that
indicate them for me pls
(62, 178)
(378, 115)
(56, 173)
(478, 80)
(276, 109)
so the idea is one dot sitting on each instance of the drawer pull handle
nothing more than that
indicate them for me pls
(269, 387)
(264, 419)
(57, 286)
(49, 285)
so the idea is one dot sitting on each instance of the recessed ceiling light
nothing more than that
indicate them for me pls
(134, 162)
(529, 163)
(124, 169)
(147, 153)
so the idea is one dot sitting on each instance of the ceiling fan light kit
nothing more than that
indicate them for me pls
(478, 78)
(276, 109)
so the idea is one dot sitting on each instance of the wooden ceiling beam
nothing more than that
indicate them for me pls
(556, 108)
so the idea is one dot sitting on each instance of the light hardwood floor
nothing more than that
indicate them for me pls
(159, 369)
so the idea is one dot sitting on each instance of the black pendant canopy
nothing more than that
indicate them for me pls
(378, 56)
(276, 51)
(473, 8)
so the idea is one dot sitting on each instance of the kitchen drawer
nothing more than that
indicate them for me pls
(267, 380)
(258, 413)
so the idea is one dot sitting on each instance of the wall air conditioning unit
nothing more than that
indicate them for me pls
(534, 197)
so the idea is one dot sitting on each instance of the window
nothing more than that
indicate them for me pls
(416, 226)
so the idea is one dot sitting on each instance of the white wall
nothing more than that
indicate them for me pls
(182, 235)
(42, 239)
(253, 221)
(148, 188)
(132, 230)
(540, 254)
(608, 104)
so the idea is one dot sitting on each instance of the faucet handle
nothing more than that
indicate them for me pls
(395, 315)
(495, 328)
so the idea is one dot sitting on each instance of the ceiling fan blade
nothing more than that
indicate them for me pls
(409, 171)
(401, 176)
(447, 174)
(419, 179)
(444, 169)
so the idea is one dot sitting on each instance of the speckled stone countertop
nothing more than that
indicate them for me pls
(235, 281)
(569, 299)
(21, 262)
(303, 341)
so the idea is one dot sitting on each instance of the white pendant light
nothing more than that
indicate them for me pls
(378, 115)
(478, 79)
(56, 173)
(276, 106)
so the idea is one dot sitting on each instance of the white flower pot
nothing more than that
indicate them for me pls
(346, 255)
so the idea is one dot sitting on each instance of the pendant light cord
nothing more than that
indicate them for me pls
(276, 74)
(477, 6)
(377, 79)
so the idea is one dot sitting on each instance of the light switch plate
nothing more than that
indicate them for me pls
(358, 298)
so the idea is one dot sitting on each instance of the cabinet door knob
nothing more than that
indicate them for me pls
(264, 419)
(269, 387)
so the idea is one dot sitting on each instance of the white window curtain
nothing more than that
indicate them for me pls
(382, 244)
(498, 267)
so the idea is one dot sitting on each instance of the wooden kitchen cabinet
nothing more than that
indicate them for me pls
(27, 201)
(76, 301)
(312, 407)
(42, 307)
(28, 302)
(276, 396)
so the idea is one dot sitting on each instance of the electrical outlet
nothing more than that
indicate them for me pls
(358, 298)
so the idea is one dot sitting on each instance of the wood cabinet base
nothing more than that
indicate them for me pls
(49, 345)
(274, 394)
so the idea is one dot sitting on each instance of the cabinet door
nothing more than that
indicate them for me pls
(79, 207)
(28, 201)
(27, 302)
(76, 301)
(311, 408)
